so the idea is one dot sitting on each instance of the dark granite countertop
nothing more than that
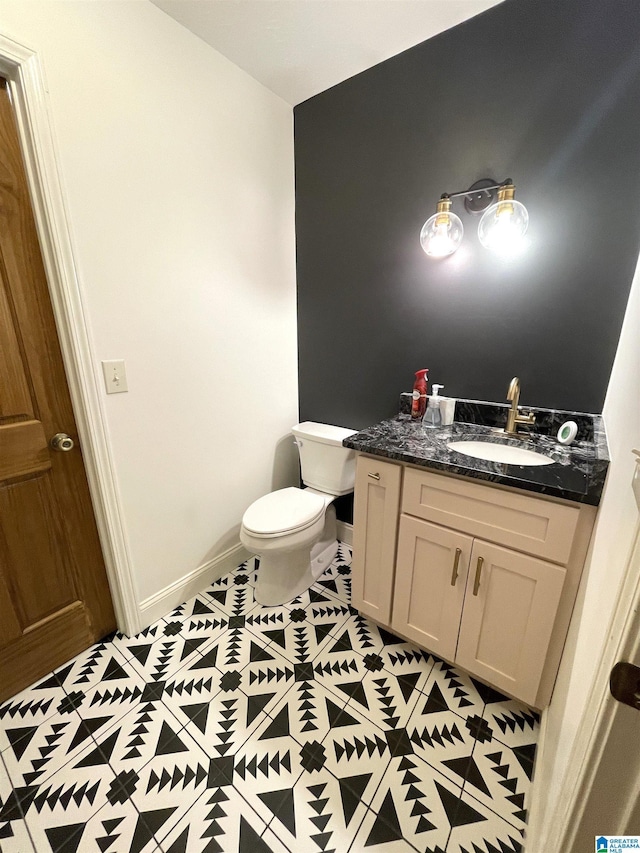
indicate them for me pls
(577, 473)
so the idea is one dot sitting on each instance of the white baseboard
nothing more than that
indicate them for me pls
(535, 822)
(164, 601)
(345, 532)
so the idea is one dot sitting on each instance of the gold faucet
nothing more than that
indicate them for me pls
(513, 416)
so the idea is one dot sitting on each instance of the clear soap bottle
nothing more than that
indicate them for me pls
(433, 416)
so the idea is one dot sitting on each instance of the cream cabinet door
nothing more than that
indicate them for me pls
(431, 574)
(509, 611)
(375, 526)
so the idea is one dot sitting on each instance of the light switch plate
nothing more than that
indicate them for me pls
(115, 377)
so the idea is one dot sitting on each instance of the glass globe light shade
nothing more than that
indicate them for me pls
(441, 234)
(503, 226)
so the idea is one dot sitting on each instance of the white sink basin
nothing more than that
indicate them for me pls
(505, 453)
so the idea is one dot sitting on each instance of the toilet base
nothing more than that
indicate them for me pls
(283, 575)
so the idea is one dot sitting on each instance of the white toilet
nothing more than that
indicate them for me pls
(293, 531)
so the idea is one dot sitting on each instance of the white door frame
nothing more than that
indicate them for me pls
(21, 67)
(598, 719)
(563, 825)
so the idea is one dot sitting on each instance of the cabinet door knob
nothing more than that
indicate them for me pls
(476, 582)
(373, 476)
(456, 563)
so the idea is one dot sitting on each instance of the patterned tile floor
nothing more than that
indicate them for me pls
(228, 726)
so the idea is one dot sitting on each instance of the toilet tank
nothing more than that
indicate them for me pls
(326, 465)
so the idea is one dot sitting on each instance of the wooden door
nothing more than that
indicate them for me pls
(54, 596)
(509, 611)
(375, 525)
(431, 576)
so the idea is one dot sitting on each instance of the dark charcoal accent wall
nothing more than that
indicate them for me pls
(542, 91)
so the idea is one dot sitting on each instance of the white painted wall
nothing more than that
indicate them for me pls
(610, 548)
(177, 170)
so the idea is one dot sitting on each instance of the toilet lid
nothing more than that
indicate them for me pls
(283, 511)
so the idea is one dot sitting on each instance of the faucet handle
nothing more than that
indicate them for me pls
(529, 418)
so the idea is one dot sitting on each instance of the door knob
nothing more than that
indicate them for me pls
(61, 442)
(624, 683)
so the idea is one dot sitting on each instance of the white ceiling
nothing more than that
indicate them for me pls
(298, 48)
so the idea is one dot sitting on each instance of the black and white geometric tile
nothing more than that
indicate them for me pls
(228, 726)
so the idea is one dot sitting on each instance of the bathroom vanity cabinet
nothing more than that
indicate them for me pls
(482, 575)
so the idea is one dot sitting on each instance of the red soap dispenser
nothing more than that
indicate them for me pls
(419, 401)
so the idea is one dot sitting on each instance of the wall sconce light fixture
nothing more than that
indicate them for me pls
(502, 227)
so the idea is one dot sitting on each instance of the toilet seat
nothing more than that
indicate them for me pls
(284, 511)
